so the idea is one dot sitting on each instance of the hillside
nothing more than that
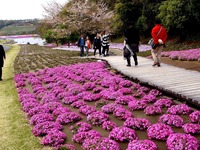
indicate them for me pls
(18, 27)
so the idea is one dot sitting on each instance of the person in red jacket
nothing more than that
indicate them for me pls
(159, 35)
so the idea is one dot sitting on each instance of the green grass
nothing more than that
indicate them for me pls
(14, 29)
(15, 131)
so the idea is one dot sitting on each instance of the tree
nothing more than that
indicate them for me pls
(181, 17)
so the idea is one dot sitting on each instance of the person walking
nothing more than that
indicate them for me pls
(131, 44)
(105, 43)
(81, 44)
(97, 44)
(159, 35)
(87, 45)
(2, 57)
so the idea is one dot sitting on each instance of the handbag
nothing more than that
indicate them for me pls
(151, 41)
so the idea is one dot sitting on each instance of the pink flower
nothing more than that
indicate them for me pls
(142, 145)
(180, 141)
(159, 131)
(123, 134)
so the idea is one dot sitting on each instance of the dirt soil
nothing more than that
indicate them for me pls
(189, 65)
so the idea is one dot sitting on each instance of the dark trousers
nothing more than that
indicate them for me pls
(81, 51)
(105, 49)
(99, 48)
(0, 72)
(134, 58)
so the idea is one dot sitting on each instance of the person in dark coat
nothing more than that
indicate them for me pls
(2, 57)
(131, 44)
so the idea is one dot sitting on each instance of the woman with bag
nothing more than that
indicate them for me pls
(159, 35)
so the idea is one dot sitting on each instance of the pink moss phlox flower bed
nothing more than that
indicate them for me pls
(109, 108)
(180, 141)
(137, 123)
(152, 110)
(191, 128)
(54, 138)
(43, 128)
(163, 102)
(78, 104)
(100, 144)
(108, 125)
(68, 117)
(180, 109)
(55, 98)
(60, 110)
(185, 55)
(159, 131)
(123, 134)
(97, 118)
(80, 127)
(81, 136)
(121, 113)
(124, 100)
(40, 118)
(86, 109)
(195, 117)
(172, 120)
(137, 105)
(142, 145)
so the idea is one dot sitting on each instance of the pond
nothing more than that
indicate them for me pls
(29, 40)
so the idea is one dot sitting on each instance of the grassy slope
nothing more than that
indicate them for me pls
(15, 132)
(12, 30)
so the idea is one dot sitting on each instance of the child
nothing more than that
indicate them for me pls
(87, 45)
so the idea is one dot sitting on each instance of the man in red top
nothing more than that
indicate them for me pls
(159, 34)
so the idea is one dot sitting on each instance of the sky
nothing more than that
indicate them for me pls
(24, 9)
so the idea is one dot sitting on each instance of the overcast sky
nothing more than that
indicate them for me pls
(23, 9)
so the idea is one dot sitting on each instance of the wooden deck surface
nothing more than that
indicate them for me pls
(179, 81)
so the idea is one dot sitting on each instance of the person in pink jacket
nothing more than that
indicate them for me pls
(159, 35)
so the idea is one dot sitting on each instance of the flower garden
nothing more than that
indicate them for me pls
(88, 106)
(184, 55)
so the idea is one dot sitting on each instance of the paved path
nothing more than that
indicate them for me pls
(177, 81)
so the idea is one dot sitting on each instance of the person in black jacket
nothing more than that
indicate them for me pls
(97, 44)
(131, 45)
(2, 57)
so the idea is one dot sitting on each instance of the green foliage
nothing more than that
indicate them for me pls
(181, 17)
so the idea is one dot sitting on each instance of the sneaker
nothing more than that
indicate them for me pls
(128, 65)
(136, 63)
(158, 64)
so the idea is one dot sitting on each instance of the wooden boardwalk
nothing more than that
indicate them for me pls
(177, 81)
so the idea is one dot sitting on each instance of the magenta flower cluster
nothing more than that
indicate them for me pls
(186, 55)
(108, 125)
(159, 131)
(137, 123)
(172, 120)
(123, 134)
(152, 110)
(180, 109)
(180, 141)
(195, 117)
(191, 128)
(97, 118)
(142, 145)
(80, 127)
